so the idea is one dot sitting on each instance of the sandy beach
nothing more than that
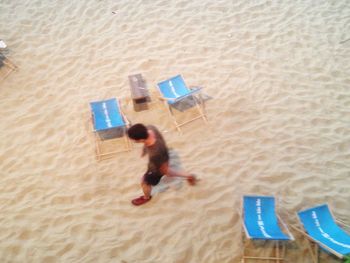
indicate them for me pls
(277, 77)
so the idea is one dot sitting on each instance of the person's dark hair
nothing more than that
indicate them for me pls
(138, 132)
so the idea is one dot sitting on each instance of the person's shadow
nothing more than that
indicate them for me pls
(170, 182)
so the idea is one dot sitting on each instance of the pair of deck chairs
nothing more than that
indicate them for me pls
(111, 123)
(261, 222)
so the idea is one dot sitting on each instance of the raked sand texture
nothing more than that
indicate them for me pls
(278, 77)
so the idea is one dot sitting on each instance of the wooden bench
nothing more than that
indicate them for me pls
(139, 92)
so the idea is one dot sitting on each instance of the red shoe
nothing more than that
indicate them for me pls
(140, 200)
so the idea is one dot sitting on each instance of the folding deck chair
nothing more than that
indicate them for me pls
(7, 66)
(174, 91)
(260, 222)
(323, 231)
(109, 123)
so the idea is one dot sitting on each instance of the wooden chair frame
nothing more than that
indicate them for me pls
(9, 65)
(200, 106)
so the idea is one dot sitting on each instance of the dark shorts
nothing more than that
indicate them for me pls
(152, 178)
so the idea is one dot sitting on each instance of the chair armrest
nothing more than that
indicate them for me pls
(174, 100)
(127, 121)
(166, 99)
(195, 87)
(162, 99)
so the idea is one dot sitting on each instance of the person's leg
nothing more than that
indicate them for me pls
(173, 173)
(191, 179)
(147, 189)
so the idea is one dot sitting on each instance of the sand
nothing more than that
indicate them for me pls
(276, 72)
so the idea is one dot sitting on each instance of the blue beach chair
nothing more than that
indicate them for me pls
(260, 222)
(109, 123)
(323, 231)
(174, 91)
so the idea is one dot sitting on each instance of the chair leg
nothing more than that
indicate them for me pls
(283, 250)
(10, 64)
(7, 74)
(278, 255)
(277, 252)
(173, 117)
(201, 113)
(201, 108)
(313, 248)
(97, 145)
(126, 142)
(126, 139)
(244, 249)
(10, 67)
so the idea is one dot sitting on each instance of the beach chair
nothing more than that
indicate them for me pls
(320, 227)
(260, 222)
(7, 66)
(174, 92)
(109, 124)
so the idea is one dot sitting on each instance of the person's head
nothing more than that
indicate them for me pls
(138, 132)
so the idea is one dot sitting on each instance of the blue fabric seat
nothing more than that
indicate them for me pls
(109, 123)
(260, 218)
(174, 91)
(321, 227)
(261, 222)
(107, 115)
